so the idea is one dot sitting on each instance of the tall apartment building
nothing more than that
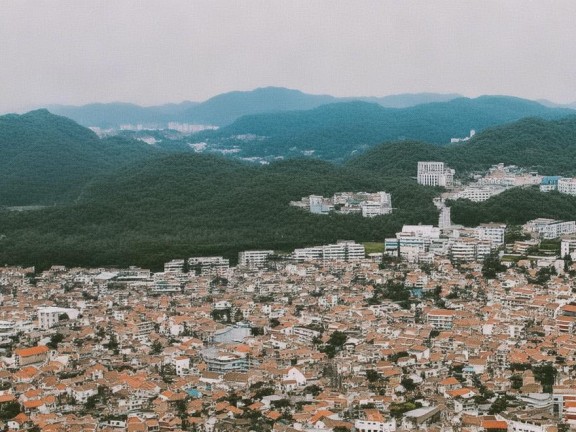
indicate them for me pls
(470, 249)
(254, 259)
(210, 266)
(341, 251)
(493, 232)
(435, 174)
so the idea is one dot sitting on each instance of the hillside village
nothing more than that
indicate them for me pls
(322, 340)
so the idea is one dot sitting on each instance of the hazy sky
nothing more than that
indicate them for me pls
(151, 52)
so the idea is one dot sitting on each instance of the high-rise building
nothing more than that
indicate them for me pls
(435, 174)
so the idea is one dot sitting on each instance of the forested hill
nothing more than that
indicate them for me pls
(47, 159)
(336, 131)
(188, 204)
(548, 146)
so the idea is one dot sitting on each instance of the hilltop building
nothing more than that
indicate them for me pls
(364, 203)
(435, 174)
(549, 183)
(567, 186)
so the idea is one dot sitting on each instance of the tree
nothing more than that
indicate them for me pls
(372, 375)
(9, 410)
(55, 339)
(156, 347)
(492, 266)
(498, 406)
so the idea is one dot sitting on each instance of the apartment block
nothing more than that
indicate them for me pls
(435, 174)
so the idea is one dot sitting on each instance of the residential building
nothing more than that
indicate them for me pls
(343, 250)
(50, 316)
(254, 259)
(493, 232)
(567, 186)
(549, 183)
(435, 174)
(440, 318)
(550, 228)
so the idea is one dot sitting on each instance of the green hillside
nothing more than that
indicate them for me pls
(515, 206)
(189, 204)
(47, 159)
(548, 146)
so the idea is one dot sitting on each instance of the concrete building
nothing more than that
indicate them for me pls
(174, 266)
(254, 259)
(549, 183)
(50, 316)
(568, 247)
(567, 186)
(435, 174)
(209, 266)
(440, 318)
(550, 228)
(341, 251)
(479, 193)
(493, 232)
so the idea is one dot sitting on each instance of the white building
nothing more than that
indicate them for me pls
(567, 186)
(174, 266)
(209, 266)
(550, 228)
(493, 232)
(440, 318)
(343, 250)
(49, 316)
(480, 193)
(568, 247)
(254, 259)
(365, 203)
(435, 174)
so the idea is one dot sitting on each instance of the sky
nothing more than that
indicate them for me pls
(153, 52)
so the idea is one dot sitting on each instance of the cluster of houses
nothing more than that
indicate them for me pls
(364, 203)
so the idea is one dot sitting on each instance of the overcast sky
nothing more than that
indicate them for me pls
(152, 52)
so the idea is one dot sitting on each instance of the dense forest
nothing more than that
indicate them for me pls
(190, 204)
(47, 159)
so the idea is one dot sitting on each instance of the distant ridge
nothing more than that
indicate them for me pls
(225, 108)
(340, 130)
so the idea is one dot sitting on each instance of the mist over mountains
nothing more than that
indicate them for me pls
(225, 108)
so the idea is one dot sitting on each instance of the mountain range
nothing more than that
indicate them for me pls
(338, 131)
(225, 108)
